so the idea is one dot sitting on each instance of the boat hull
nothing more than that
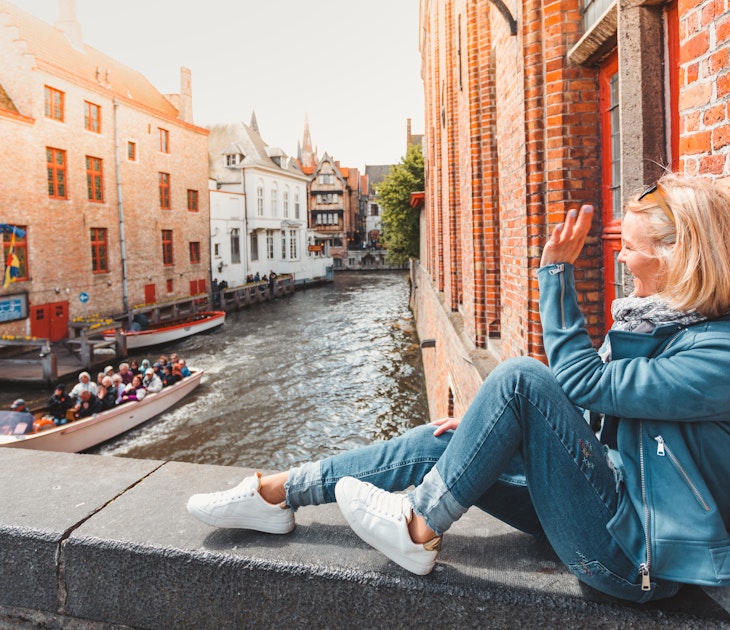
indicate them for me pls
(87, 432)
(157, 336)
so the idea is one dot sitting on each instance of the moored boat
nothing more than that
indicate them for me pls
(87, 432)
(166, 332)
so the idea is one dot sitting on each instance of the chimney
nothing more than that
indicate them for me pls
(408, 133)
(185, 111)
(68, 23)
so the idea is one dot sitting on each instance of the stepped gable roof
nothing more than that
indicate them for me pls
(55, 54)
(240, 138)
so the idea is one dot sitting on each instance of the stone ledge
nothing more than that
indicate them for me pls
(107, 540)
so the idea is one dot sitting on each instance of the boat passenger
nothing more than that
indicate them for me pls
(126, 373)
(99, 378)
(151, 382)
(89, 405)
(19, 405)
(171, 375)
(84, 384)
(118, 386)
(134, 391)
(107, 394)
(184, 369)
(59, 403)
(133, 367)
(143, 367)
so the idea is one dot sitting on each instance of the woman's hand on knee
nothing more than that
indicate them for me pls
(445, 424)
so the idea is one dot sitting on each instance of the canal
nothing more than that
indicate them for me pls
(324, 370)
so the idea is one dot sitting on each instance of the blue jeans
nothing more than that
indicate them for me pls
(523, 453)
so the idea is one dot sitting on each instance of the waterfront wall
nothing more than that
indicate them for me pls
(91, 542)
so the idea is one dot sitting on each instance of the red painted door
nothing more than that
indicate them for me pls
(59, 320)
(40, 321)
(49, 321)
(150, 294)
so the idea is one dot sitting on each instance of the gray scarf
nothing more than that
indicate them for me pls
(644, 314)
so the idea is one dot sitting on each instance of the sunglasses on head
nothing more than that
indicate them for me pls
(657, 196)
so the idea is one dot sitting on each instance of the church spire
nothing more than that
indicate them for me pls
(254, 124)
(308, 156)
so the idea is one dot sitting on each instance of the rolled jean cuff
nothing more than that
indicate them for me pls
(304, 485)
(433, 501)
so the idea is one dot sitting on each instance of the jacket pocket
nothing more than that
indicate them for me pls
(663, 450)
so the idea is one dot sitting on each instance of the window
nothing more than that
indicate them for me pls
(593, 10)
(164, 140)
(54, 103)
(165, 191)
(233, 159)
(217, 250)
(132, 151)
(99, 250)
(56, 169)
(260, 201)
(326, 178)
(374, 210)
(92, 117)
(94, 181)
(235, 246)
(283, 244)
(270, 244)
(195, 252)
(254, 246)
(193, 200)
(167, 255)
(285, 202)
(170, 285)
(274, 201)
(292, 244)
(16, 246)
(296, 205)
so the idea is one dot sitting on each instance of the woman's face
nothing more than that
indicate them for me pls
(638, 255)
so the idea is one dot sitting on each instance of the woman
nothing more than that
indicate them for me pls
(134, 391)
(635, 514)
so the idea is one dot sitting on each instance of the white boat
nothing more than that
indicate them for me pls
(87, 432)
(171, 331)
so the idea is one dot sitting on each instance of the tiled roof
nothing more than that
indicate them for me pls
(54, 53)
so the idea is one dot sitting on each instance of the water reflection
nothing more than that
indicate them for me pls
(322, 371)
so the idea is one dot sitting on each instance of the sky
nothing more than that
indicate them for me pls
(352, 67)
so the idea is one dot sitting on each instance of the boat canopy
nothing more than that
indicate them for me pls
(15, 422)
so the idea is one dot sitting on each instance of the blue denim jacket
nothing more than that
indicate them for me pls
(668, 396)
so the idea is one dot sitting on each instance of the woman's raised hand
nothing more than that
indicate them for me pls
(567, 238)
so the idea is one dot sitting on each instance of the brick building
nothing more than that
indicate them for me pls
(532, 108)
(107, 176)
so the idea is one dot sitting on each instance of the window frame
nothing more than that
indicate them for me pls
(53, 169)
(194, 247)
(94, 180)
(164, 188)
(92, 122)
(99, 240)
(193, 198)
(164, 140)
(131, 155)
(54, 109)
(168, 252)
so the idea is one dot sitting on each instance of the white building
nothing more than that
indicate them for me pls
(258, 210)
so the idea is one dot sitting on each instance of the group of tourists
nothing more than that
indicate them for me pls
(132, 381)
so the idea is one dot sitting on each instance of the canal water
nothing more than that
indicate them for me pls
(324, 370)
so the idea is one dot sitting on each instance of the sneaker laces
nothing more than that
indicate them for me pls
(248, 487)
(386, 503)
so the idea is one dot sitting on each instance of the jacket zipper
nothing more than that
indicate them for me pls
(662, 449)
(558, 269)
(644, 566)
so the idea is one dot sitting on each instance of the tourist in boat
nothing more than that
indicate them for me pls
(171, 375)
(58, 404)
(118, 385)
(84, 384)
(134, 391)
(19, 406)
(88, 404)
(152, 382)
(635, 513)
(125, 372)
(184, 369)
(133, 367)
(107, 394)
(143, 367)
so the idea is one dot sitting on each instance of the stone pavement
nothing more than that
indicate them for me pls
(99, 542)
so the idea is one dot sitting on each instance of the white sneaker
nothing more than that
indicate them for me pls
(381, 519)
(242, 507)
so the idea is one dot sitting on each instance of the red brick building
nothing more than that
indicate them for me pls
(532, 108)
(107, 176)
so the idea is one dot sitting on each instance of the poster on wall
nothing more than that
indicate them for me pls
(13, 307)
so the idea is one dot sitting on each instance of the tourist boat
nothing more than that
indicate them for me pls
(173, 330)
(87, 432)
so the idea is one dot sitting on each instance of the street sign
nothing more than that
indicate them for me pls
(83, 297)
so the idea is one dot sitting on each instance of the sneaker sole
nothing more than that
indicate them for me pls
(408, 564)
(259, 525)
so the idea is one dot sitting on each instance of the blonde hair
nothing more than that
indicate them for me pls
(692, 241)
